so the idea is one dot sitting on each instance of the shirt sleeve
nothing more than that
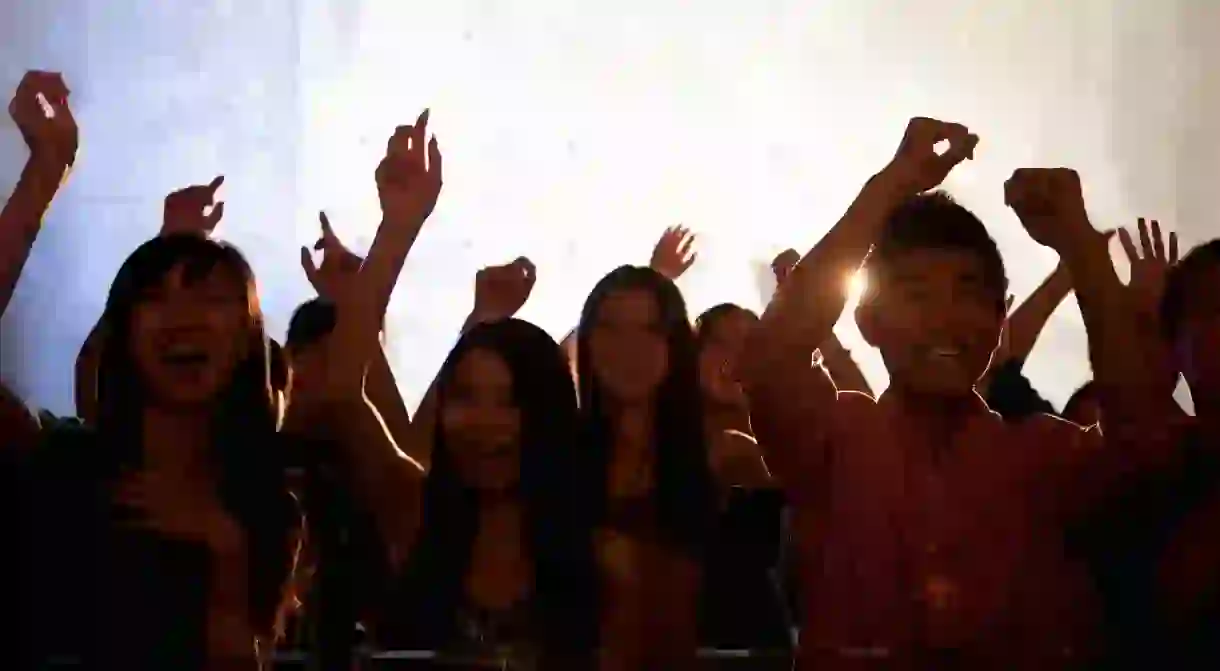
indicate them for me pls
(791, 413)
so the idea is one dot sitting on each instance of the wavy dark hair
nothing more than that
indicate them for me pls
(683, 492)
(247, 453)
(558, 533)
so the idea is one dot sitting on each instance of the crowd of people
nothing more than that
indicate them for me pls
(650, 487)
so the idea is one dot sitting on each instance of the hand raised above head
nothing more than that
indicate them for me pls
(40, 109)
(339, 264)
(1150, 263)
(409, 177)
(674, 252)
(916, 166)
(500, 291)
(193, 209)
(784, 263)
(1050, 204)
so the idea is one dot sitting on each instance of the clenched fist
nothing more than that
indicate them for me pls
(40, 109)
(500, 291)
(916, 166)
(1050, 205)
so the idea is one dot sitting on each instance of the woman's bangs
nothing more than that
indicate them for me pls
(147, 268)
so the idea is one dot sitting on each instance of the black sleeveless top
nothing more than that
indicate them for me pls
(97, 595)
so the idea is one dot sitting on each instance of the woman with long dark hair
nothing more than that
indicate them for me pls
(646, 466)
(502, 562)
(176, 495)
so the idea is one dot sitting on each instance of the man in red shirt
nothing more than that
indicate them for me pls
(931, 532)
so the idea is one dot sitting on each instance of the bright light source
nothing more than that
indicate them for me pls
(857, 284)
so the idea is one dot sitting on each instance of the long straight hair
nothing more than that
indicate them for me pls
(246, 452)
(683, 492)
(558, 535)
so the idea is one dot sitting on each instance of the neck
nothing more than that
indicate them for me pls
(940, 414)
(500, 515)
(176, 438)
(632, 423)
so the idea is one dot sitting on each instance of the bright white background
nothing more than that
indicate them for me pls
(574, 132)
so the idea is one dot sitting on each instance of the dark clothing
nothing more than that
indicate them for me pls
(348, 555)
(741, 605)
(1124, 547)
(1012, 395)
(97, 595)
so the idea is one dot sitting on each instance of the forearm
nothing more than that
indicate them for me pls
(1125, 377)
(382, 390)
(842, 368)
(381, 268)
(1026, 323)
(388, 480)
(810, 302)
(21, 219)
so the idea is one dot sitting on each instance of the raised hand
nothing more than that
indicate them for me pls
(409, 177)
(193, 210)
(917, 167)
(1050, 205)
(500, 291)
(339, 264)
(783, 264)
(40, 109)
(1150, 264)
(673, 254)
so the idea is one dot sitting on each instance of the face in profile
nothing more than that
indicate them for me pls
(481, 422)
(935, 319)
(188, 334)
(629, 352)
(722, 344)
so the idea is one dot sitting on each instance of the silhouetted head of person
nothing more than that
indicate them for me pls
(633, 325)
(934, 305)
(1190, 317)
(636, 348)
(311, 323)
(183, 328)
(1083, 407)
(720, 335)
(506, 407)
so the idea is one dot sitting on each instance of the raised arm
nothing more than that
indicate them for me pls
(40, 110)
(787, 400)
(831, 356)
(192, 210)
(1050, 206)
(500, 291)
(1136, 407)
(408, 184)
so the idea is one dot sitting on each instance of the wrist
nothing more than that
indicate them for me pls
(892, 184)
(1080, 245)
